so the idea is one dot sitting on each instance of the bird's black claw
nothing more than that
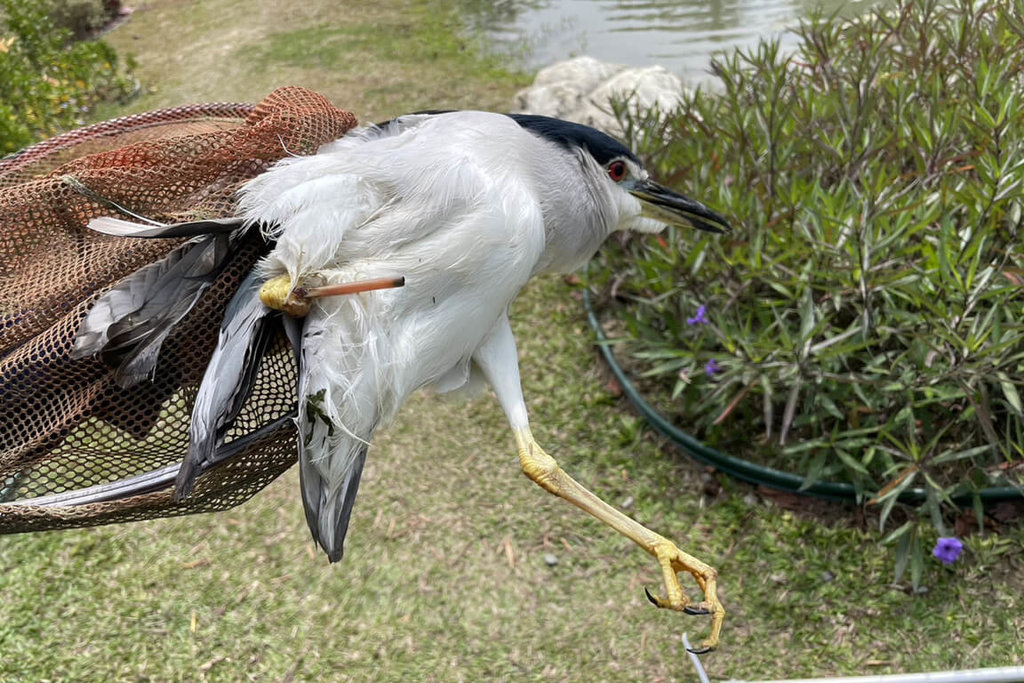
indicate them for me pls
(689, 609)
(699, 650)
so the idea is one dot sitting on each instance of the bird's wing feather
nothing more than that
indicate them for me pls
(132, 320)
(227, 383)
(108, 225)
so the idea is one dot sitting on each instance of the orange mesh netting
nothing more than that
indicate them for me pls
(68, 431)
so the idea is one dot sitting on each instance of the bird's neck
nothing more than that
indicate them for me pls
(577, 218)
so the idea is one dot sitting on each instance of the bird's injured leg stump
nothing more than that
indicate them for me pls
(279, 294)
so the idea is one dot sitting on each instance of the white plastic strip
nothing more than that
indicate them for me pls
(1006, 674)
(695, 660)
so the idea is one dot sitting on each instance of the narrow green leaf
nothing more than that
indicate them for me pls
(1010, 392)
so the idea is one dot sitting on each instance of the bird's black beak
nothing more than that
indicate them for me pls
(666, 206)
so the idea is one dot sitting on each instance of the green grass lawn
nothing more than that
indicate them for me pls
(445, 575)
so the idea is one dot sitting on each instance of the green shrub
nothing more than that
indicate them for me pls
(84, 18)
(866, 317)
(48, 84)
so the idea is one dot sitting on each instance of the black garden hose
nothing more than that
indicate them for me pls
(758, 474)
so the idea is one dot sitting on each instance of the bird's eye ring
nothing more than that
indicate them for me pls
(617, 170)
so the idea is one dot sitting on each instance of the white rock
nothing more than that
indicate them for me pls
(642, 88)
(581, 90)
(556, 99)
(650, 86)
(586, 73)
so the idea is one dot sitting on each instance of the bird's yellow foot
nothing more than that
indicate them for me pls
(672, 561)
(542, 469)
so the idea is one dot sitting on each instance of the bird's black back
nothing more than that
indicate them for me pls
(565, 134)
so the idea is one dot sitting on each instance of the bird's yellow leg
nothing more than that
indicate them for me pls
(496, 357)
(542, 469)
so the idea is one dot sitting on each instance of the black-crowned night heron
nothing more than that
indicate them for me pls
(466, 207)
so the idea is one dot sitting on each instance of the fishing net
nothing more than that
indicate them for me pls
(77, 448)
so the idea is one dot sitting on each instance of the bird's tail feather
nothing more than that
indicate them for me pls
(329, 509)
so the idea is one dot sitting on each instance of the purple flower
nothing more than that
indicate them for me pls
(711, 367)
(948, 549)
(699, 318)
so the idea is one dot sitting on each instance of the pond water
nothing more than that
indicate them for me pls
(678, 34)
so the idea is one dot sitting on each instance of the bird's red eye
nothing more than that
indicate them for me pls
(617, 170)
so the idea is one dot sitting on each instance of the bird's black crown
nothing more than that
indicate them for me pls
(572, 136)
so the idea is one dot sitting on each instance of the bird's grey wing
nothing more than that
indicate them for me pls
(245, 336)
(108, 225)
(131, 321)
